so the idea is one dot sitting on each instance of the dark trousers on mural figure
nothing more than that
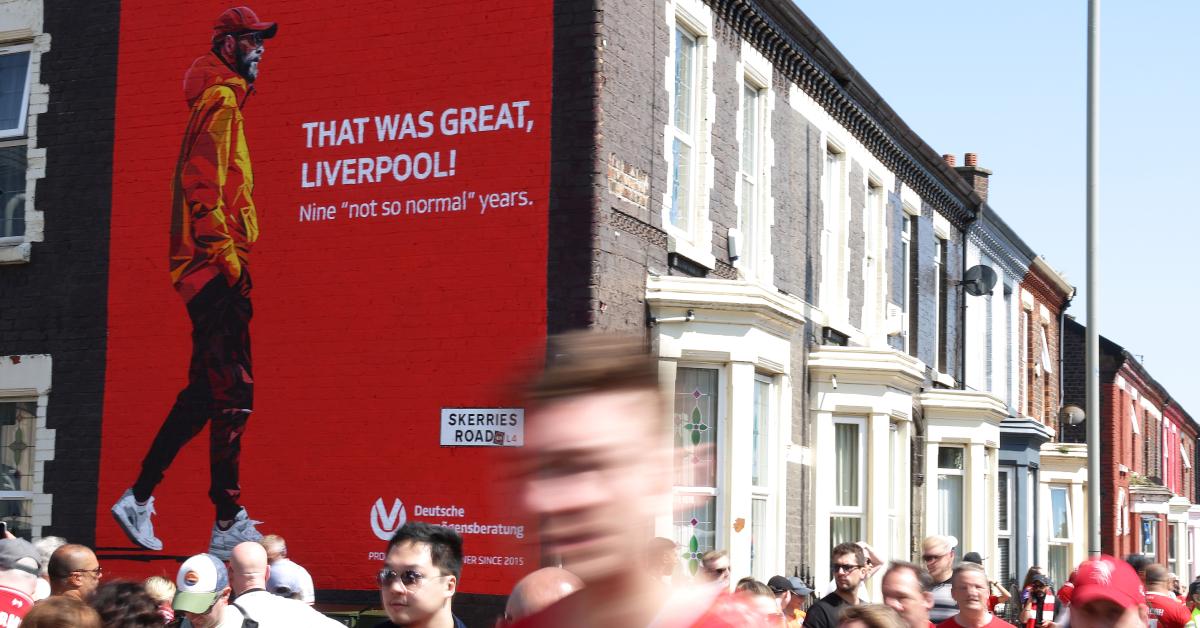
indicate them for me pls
(220, 392)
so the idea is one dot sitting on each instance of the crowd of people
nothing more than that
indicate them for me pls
(598, 459)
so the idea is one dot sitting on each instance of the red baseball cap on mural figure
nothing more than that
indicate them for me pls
(239, 20)
(1106, 578)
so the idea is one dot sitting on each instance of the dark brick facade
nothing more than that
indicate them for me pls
(56, 303)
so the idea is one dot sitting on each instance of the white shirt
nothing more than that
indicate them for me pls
(231, 618)
(269, 610)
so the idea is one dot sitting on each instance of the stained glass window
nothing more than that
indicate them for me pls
(695, 434)
(18, 422)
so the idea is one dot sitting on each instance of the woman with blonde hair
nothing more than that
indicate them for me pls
(163, 591)
(61, 611)
(870, 616)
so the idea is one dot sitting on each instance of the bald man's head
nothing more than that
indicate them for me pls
(540, 589)
(73, 568)
(248, 567)
(1158, 578)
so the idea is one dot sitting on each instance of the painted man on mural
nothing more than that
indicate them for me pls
(213, 227)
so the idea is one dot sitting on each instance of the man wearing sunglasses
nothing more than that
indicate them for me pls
(420, 576)
(937, 552)
(74, 571)
(214, 224)
(849, 567)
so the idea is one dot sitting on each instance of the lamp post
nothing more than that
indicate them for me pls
(1092, 410)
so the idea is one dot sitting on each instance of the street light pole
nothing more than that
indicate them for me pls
(1093, 321)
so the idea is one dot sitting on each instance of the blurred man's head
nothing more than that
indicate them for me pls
(969, 588)
(759, 597)
(906, 589)
(1139, 562)
(714, 566)
(1040, 585)
(849, 568)
(662, 556)
(870, 616)
(539, 590)
(74, 570)
(19, 567)
(937, 552)
(202, 591)
(598, 450)
(420, 574)
(1193, 594)
(1157, 578)
(1108, 594)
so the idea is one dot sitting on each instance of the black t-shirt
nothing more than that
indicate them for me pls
(458, 623)
(825, 613)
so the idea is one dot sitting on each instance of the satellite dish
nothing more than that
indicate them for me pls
(979, 280)
(1072, 414)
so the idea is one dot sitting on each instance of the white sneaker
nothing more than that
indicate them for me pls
(134, 520)
(242, 529)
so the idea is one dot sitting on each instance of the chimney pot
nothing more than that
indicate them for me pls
(972, 159)
(949, 159)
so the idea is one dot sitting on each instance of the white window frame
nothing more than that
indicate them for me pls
(873, 212)
(1047, 362)
(896, 451)
(833, 191)
(1153, 537)
(1007, 477)
(764, 493)
(17, 137)
(686, 137)
(851, 512)
(752, 220)
(718, 492)
(1133, 419)
(954, 472)
(28, 379)
(907, 226)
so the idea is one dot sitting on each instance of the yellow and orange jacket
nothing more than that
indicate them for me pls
(213, 220)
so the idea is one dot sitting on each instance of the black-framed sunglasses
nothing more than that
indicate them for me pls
(411, 579)
(99, 571)
(255, 38)
(846, 568)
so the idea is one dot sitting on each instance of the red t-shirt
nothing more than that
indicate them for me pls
(995, 623)
(1167, 610)
(14, 605)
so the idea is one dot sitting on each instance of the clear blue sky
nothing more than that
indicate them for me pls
(1007, 80)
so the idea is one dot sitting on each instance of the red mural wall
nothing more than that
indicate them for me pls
(400, 167)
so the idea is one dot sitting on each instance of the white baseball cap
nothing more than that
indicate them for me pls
(201, 580)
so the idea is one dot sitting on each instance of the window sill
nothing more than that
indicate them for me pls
(700, 255)
(17, 252)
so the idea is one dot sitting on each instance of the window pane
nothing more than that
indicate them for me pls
(12, 191)
(18, 420)
(762, 414)
(846, 482)
(893, 461)
(749, 130)
(681, 183)
(758, 521)
(14, 71)
(1060, 525)
(1149, 530)
(685, 56)
(1002, 501)
(950, 505)
(1004, 560)
(950, 458)
(696, 427)
(1060, 564)
(844, 530)
(695, 526)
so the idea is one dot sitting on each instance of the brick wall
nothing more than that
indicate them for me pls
(856, 286)
(799, 158)
(56, 303)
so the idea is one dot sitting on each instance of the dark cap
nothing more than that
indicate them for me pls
(238, 20)
(779, 584)
(19, 554)
(1041, 579)
(973, 557)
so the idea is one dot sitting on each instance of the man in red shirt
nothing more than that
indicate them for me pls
(1164, 606)
(969, 588)
(598, 466)
(1108, 594)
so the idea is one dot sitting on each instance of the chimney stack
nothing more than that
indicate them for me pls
(949, 159)
(975, 176)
